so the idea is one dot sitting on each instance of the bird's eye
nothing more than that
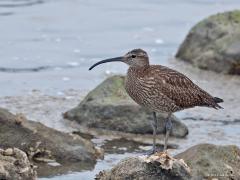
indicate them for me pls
(133, 56)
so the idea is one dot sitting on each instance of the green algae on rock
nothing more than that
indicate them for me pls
(213, 161)
(214, 44)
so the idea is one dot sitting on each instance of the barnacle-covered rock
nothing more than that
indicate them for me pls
(14, 164)
(157, 166)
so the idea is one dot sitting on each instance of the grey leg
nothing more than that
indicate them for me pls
(168, 127)
(154, 126)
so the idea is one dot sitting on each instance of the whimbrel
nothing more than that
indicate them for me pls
(161, 89)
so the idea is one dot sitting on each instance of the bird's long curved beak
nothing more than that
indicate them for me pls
(106, 61)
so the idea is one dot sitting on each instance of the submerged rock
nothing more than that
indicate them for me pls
(109, 107)
(214, 43)
(44, 144)
(209, 161)
(14, 164)
(157, 166)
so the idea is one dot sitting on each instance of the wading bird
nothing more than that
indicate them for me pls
(160, 89)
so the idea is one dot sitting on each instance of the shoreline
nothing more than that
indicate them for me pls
(205, 125)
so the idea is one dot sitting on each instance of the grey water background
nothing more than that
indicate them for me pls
(47, 46)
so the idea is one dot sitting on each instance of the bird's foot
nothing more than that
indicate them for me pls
(165, 151)
(152, 151)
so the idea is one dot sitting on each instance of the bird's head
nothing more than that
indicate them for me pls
(135, 58)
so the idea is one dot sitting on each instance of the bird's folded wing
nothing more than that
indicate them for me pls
(178, 88)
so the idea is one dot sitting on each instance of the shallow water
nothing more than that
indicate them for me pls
(47, 46)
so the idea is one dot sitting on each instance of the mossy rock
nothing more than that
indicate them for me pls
(214, 43)
(108, 106)
(208, 161)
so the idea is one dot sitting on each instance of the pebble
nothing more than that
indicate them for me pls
(8, 152)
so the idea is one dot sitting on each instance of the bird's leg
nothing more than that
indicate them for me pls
(154, 126)
(168, 128)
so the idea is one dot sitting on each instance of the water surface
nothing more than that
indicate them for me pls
(49, 44)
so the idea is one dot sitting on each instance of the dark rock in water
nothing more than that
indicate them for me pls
(14, 164)
(157, 166)
(209, 161)
(109, 107)
(44, 144)
(214, 43)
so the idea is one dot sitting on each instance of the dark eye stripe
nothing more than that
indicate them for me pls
(133, 56)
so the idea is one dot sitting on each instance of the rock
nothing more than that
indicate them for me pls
(212, 161)
(44, 144)
(109, 107)
(14, 164)
(157, 166)
(214, 43)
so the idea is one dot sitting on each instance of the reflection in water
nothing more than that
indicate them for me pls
(45, 170)
(122, 145)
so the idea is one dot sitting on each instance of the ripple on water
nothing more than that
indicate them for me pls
(7, 7)
(17, 3)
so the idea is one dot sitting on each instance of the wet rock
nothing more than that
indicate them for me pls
(214, 43)
(157, 166)
(43, 144)
(14, 164)
(109, 107)
(209, 161)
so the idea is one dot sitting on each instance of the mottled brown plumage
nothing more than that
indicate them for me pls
(161, 89)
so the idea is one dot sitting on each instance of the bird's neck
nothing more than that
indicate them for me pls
(137, 71)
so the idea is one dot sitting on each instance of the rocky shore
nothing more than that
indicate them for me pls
(203, 161)
(107, 117)
(45, 146)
